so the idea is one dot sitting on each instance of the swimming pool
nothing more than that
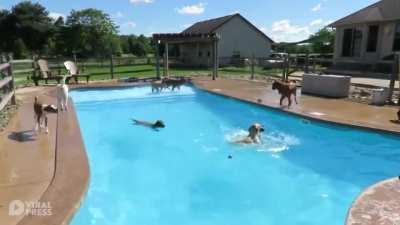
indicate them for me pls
(304, 173)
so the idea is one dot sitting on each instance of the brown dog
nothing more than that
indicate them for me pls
(174, 83)
(286, 90)
(157, 86)
(40, 115)
(398, 115)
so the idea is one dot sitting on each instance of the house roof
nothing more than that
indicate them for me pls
(209, 27)
(385, 10)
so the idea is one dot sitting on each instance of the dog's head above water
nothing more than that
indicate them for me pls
(159, 124)
(256, 129)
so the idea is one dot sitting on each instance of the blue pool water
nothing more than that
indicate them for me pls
(305, 173)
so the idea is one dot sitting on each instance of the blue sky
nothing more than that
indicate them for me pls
(282, 20)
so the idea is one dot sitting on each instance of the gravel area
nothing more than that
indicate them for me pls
(6, 114)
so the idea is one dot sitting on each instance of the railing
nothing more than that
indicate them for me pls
(6, 85)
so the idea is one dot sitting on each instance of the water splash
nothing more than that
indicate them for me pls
(274, 142)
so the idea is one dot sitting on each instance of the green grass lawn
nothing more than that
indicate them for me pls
(103, 73)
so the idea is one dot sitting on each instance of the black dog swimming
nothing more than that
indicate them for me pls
(155, 126)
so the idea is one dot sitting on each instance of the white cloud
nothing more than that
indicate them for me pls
(186, 25)
(192, 9)
(317, 22)
(129, 24)
(285, 31)
(328, 22)
(317, 8)
(263, 29)
(55, 15)
(136, 2)
(118, 15)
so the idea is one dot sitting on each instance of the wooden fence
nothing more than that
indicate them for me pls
(6, 85)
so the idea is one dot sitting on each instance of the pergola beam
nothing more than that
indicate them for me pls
(180, 38)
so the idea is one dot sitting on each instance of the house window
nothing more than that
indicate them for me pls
(372, 38)
(396, 44)
(200, 54)
(351, 43)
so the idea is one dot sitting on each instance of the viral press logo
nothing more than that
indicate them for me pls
(18, 208)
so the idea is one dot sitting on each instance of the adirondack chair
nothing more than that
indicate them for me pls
(45, 73)
(74, 71)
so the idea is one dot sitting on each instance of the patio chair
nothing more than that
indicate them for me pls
(45, 73)
(74, 71)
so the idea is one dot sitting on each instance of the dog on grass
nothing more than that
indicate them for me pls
(286, 90)
(40, 115)
(62, 95)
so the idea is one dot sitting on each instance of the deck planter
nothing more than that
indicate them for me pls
(333, 86)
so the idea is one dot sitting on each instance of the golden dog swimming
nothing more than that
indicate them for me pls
(254, 136)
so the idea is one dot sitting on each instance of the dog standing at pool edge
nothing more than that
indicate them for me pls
(40, 115)
(62, 95)
(286, 90)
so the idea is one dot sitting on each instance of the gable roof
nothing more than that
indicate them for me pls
(208, 27)
(385, 10)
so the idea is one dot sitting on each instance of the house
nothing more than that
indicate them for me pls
(369, 36)
(237, 38)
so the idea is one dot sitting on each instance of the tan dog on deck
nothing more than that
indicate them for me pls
(286, 90)
(40, 115)
(254, 136)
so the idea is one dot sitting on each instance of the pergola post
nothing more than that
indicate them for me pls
(215, 59)
(158, 59)
(166, 61)
(394, 76)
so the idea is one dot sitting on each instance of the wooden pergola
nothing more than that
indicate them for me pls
(180, 38)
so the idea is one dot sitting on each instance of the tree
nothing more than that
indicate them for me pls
(91, 32)
(31, 23)
(323, 41)
(20, 51)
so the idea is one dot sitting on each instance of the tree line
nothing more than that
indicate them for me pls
(27, 29)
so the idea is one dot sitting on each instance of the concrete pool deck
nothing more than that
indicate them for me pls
(42, 168)
(54, 168)
(326, 109)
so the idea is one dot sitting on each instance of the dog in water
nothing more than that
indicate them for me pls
(157, 86)
(286, 90)
(174, 83)
(40, 115)
(62, 95)
(254, 136)
(155, 126)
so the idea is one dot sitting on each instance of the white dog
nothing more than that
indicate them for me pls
(62, 95)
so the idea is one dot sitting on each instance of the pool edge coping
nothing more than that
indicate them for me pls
(68, 138)
(351, 217)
